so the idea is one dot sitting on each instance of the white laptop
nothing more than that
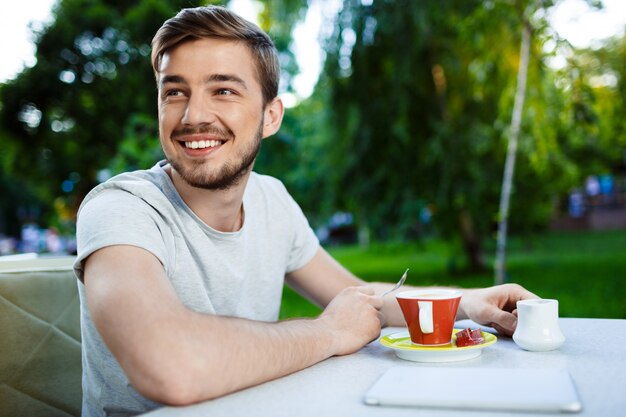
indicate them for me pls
(531, 390)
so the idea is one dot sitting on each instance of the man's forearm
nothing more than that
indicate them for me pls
(199, 357)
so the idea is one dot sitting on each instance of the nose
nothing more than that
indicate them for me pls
(198, 111)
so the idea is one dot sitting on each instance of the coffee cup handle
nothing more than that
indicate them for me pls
(426, 316)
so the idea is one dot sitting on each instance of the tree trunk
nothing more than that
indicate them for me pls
(364, 236)
(363, 231)
(471, 242)
(509, 166)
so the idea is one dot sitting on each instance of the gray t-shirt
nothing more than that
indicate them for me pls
(239, 274)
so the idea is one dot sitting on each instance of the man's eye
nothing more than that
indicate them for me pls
(173, 93)
(225, 92)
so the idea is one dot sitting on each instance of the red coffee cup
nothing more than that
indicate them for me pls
(430, 314)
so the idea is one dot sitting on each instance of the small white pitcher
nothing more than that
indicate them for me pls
(538, 325)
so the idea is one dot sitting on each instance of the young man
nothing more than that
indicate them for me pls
(182, 266)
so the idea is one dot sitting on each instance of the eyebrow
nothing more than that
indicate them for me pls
(177, 79)
(172, 79)
(225, 77)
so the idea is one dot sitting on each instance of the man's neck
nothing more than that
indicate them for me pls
(221, 210)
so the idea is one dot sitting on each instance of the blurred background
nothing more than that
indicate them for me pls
(394, 140)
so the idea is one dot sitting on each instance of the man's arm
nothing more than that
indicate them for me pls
(176, 356)
(323, 277)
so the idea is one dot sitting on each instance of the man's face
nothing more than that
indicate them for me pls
(211, 116)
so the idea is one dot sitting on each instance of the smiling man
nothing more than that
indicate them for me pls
(182, 266)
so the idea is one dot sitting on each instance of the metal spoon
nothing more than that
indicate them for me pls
(398, 285)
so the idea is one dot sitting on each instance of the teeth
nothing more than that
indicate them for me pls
(201, 144)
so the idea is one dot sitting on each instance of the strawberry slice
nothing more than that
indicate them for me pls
(469, 337)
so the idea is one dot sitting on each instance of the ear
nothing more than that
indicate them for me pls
(273, 117)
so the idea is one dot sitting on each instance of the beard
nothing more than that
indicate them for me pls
(198, 173)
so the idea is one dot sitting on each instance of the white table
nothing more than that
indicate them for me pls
(594, 353)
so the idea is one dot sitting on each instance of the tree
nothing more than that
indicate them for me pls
(419, 94)
(509, 166)
(64, 117)
(597, 106)
(87, 109)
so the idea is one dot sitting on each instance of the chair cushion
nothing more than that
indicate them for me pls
(40, 350)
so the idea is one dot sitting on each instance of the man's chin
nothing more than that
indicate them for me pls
(220, 182)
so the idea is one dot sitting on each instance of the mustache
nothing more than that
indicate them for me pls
(207, 129)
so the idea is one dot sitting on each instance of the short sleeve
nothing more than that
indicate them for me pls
(117, 217)
(305, 243)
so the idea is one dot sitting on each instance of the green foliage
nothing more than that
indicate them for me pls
(420, 96)
(72, 112)
(303, 162)
(600, 104)
(89, 104)
(420, 93)
(278, 18)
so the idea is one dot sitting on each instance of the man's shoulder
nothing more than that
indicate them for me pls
(263, 180)
(141, 185)
(266, 183)
(266, 186)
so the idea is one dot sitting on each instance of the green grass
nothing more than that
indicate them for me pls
(585, 271)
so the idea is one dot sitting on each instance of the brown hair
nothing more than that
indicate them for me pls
(221, 23)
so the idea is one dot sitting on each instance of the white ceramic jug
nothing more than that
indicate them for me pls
(538, 325)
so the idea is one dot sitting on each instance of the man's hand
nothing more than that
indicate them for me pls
(494, 306)
(354, 318)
